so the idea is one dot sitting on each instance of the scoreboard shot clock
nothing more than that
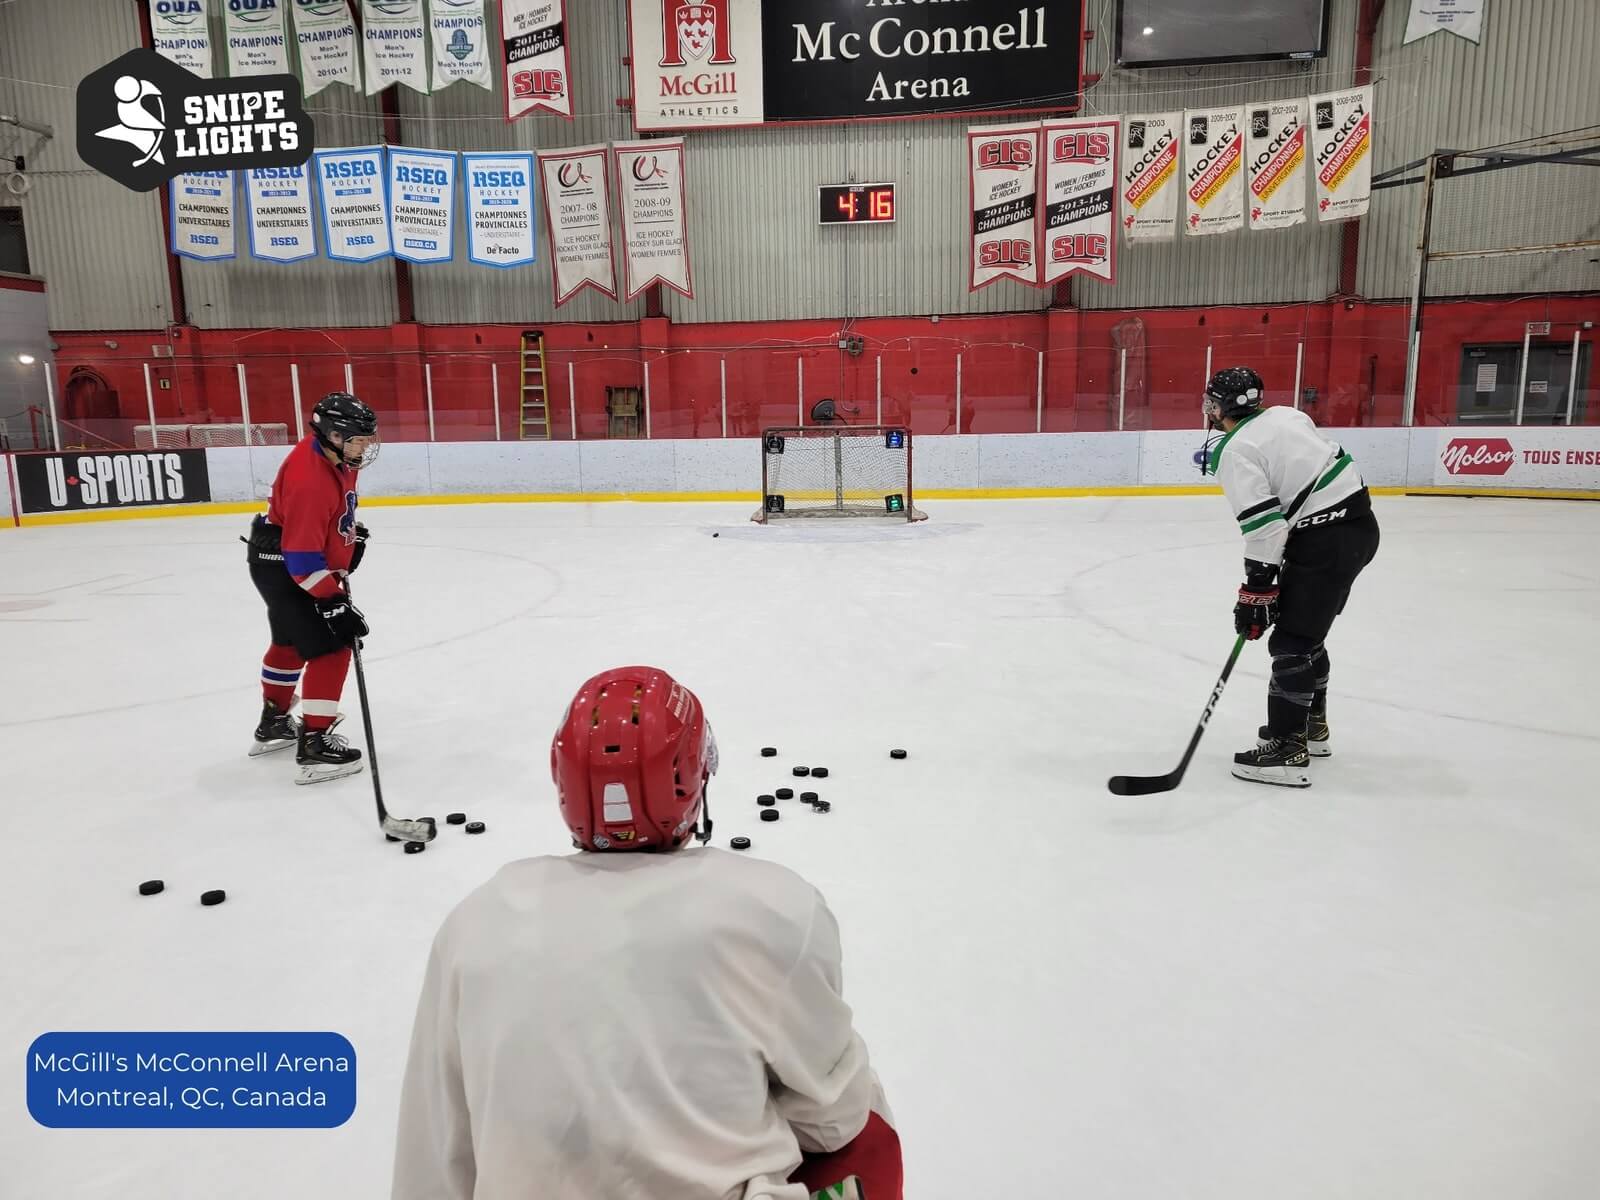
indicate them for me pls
(855, 204)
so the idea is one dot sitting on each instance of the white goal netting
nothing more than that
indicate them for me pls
(837, 471)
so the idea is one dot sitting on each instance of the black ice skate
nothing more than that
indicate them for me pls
(324, 755)
(1281, 761)
(278, 730)
(1317, 744)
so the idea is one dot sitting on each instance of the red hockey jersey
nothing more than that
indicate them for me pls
(314, 503)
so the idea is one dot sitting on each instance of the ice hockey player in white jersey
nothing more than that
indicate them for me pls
(1309, 530)
(645, 1019)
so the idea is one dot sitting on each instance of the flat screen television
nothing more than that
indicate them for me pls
(1173, 33)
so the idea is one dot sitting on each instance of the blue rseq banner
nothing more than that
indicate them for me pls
(191, 1080)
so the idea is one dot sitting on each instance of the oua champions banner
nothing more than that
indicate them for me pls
(181, 32)
(460, 44)
(394, 37)
(258, 41)
(325, 33)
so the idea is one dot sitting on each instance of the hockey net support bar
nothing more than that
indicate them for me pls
(837, 471)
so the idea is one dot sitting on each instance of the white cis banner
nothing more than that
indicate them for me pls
(577, 211)
(422, 204)
(326, 35)
(355, 211)
(1516, 457)
(1213, 171)
(1078, 210)
(460, 43)
(655, 228)
(1341, 141)
(1003, 179)
(1149, 176)
(698, 64)
(202, 215)
(499, 209)
(1276, 150)
(181, 32)
(394, 35)
(278, 203)
(533, 57)
(258, 43)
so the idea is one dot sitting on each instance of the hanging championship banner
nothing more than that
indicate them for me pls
(422, 204)
(499, 209)
(577, 211)
(534, 59)
(1002, 183)
(1078, 209)
(1341, 142)
(355, 212)
(181, 32)
(278, 201)
(1149, 176)
(202, 215)
(1213, 171)
(1464, 18)
(257, 42)
(1275, 148)
(326, 35)
(655, 229)
(460, 43)
(394, 39)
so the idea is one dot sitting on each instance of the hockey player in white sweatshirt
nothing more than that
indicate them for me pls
(644, 1019)
(1308, 532)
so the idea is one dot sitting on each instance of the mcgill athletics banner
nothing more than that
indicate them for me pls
(1276, 150)
(534, 59)
(1003, 183)
(655, 228)
(1078, 213)
(1213, 171)
(747, 62)
(1150, 175)
(577, 208)
(1341, 140)
(121, 479)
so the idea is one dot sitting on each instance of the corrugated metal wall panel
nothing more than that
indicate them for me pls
(98, 245)
(1532, 74)
(1234, 268)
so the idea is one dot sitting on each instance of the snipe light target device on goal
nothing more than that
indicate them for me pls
(837, 471)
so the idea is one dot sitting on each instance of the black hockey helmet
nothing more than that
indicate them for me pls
(344, 416)
(1233, 394)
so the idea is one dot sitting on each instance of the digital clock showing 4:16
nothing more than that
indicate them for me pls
(855, 204)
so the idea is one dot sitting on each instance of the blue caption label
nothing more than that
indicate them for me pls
(191, 1080)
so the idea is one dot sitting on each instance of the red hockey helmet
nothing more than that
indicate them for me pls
(631, 760)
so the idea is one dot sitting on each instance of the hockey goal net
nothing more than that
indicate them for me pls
(217, 433)
(837, 471)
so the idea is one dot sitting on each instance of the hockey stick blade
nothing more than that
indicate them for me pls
(403, 830)
(1148, 785)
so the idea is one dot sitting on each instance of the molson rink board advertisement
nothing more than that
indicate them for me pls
(1149, 176)
(1212, 175)
(1518, 458)
(1341, 139)
(1275, 148)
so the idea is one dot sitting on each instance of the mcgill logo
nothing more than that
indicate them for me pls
(1478, 456)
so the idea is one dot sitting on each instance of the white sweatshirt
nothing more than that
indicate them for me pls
(631, 1027)
(1267, 463)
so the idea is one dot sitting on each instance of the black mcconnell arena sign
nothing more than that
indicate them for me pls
(49, 483)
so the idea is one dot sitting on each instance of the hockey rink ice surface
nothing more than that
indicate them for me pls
(1386, 987)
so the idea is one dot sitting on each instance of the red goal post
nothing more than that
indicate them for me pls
(837, 471)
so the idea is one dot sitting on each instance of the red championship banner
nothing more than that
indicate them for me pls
(577, 210)
(1078, 217)
(655, 228)
(534, 61)
(1003, 176)
(1149, 176)
(1341, 140)
(1213, 171)
(1275, 148)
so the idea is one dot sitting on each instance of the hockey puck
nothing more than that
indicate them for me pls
(416, 847)
(808, 797)
(769, 752)
(456, 819)
(822, 806)
(766, 801)
(739, 843)
(897, 754)
(769, 814)
(716, 535)
(213, 897)
(819, 772)
(389, 837)
(784, 793)
(151, 886)
(476, 827)
(802, 770)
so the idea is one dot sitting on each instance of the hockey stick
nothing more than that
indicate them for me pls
(1145, 785)
(399, 828)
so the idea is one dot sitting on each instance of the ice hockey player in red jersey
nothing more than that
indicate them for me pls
(643, 1018)
(1308, 532)
(301, 551)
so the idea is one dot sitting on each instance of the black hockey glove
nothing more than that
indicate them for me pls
(343, 618)
(1257, 607)
(360, 551)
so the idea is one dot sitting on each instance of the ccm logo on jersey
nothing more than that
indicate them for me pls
(1322, 518)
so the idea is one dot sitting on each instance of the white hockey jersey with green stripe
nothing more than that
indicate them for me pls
(1277, 468)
